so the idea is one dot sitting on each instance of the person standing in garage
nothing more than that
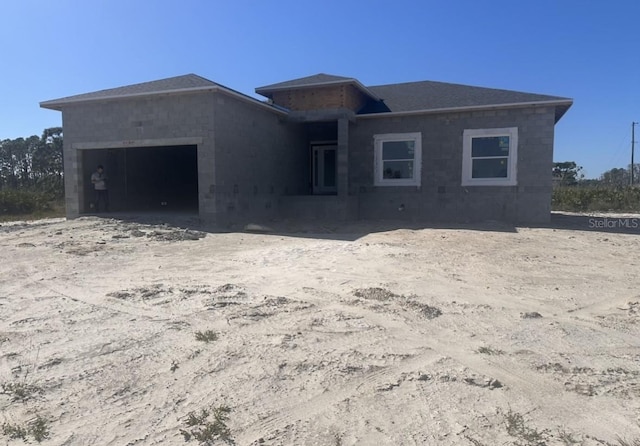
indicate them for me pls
(99, 180)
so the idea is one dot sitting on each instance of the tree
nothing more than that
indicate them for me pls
(619, 176)
(48, 161)
(567, 173)
(33, 163)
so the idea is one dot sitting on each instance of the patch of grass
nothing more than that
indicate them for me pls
(208, 426)
(14, 431)
(28, 205)
(531, 315)
(526, 436)
(379, 294)
(425, 310)
(489, 351)
(567, 438)
(206, 336)
(583, 199)
(55, 212)
(20, 391)
(38, 429)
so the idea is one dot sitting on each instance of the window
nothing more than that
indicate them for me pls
(398, 159)
(489, 157)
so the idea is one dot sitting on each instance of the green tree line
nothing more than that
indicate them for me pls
(568, 173)
(31, 173)
(34, 163)
(612, 191)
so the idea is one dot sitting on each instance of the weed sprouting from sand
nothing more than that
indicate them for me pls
(489, 351)
(174, 366)
(425, 310)
(206, 336)
(407, 302)
(208, 426)
(527, 436)
(38, 429)
(375, 293)
(14, 431)
(567, 438)
(195, 354)
(20, 391)
(531, 315)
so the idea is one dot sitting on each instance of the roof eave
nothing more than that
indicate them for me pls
(57, 104)
(562, 109)
(564, 103)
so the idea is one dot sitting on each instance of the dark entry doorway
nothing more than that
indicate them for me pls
(323, 161)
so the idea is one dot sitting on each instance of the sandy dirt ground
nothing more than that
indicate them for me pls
(357, 335)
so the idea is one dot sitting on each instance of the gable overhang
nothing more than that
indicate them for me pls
(58, 104)
(561, 108)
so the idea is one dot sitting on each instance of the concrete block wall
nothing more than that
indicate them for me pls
(260, 156)
(130, 120)
(440, 196)
(249, 156)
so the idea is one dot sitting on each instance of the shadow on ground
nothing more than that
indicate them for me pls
(353, 230)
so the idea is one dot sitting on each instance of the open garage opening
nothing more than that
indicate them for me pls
(144, 179)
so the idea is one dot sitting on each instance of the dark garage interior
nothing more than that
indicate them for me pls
(145, 178)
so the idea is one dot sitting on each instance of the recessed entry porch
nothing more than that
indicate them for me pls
(327, 178)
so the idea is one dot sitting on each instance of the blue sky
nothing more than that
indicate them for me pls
(582, 49)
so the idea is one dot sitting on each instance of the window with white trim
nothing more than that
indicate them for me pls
(398, 159)
(489, 157)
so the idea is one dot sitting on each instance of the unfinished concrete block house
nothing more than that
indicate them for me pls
(319, 147)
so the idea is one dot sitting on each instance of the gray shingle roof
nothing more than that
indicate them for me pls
(429, 95)
(320, 78)
(186, 82)
(423, 96)
(398, 98)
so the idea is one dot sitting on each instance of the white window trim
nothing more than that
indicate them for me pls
(379, 180)
(512, 167)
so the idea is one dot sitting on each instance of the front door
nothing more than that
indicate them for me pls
(324, 169)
